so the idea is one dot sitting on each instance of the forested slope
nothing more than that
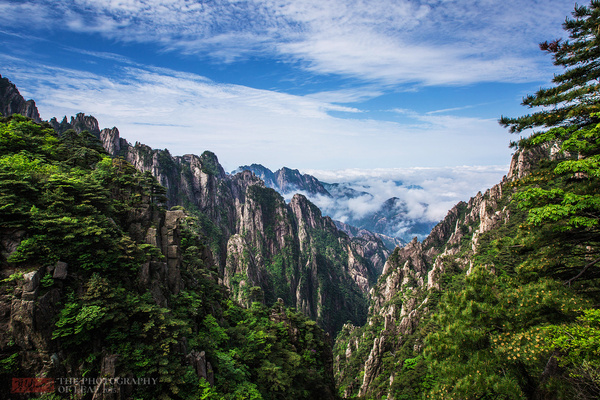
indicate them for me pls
(99, 280)
(502, 300)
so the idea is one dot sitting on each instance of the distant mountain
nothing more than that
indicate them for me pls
(392, 219)
(287, 181)
(342, 190)
(354, 232)
(264, 247)
(339, 201)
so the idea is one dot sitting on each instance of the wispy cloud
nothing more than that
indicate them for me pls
(243, 125)
(430, 42)
(447, 110)
(353, 95)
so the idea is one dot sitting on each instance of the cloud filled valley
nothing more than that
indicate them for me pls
(397, 202)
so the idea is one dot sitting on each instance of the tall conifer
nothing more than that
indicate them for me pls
(575, 97)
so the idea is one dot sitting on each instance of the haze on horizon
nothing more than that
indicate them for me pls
(393, 86)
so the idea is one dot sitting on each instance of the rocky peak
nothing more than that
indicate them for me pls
(306, 211)
(290, 180)
(79, 123)
(260, 171)
(111, 141)
(210, 165)
(400, 298)
(527, 159)
(287, 181)
(11, 102)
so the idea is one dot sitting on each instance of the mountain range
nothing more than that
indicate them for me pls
(123, 260)
(258, 240)
(389, 219)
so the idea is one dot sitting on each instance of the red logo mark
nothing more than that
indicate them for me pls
(32, 385)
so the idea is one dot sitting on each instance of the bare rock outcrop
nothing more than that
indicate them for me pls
(400, 299)
(11, 102)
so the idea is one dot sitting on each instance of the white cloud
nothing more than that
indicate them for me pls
(429, 42)
(243, 125)
(427, 192)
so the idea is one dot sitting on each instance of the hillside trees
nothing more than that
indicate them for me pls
(525, 326)
(567, 209)
(63, 199)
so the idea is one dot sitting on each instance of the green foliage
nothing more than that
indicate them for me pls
(410, 363)
(9, 364)
(17, 276)
(282, 363)
(207, 392)
(569, 205)
(491, 333)
(579, 341)
(331, 260)
(79, 206)
(579, 346)
(574, 98)
(64, 189)
(210, 164)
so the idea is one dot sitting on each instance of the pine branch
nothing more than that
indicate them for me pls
(568, 283)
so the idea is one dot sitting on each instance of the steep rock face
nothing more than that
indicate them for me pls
(12, 102)
(401, 299)
(28, 309)
(290, 252)
(111, 141)
(264, 173)
(291, 180)
(79, 123)
(287, 180)
(265, 248)
(257, 240)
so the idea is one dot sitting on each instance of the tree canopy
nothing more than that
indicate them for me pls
(574, 98)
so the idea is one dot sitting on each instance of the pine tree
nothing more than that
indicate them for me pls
(575, 98)
(563, 200)
(564, 204)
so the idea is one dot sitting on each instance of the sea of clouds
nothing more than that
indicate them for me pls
(426, 194)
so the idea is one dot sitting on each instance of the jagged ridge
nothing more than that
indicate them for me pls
(401, 300)
(257, 240)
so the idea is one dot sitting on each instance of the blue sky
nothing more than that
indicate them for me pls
(308, 84)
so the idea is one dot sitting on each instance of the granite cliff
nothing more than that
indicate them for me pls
(265, 248)
(13, 103)
(369, 360)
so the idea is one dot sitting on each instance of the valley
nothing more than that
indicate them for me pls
(127, 272)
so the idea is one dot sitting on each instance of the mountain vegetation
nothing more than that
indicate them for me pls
(83, 293)
(501, 300)
(169, 279)
(264, 248)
